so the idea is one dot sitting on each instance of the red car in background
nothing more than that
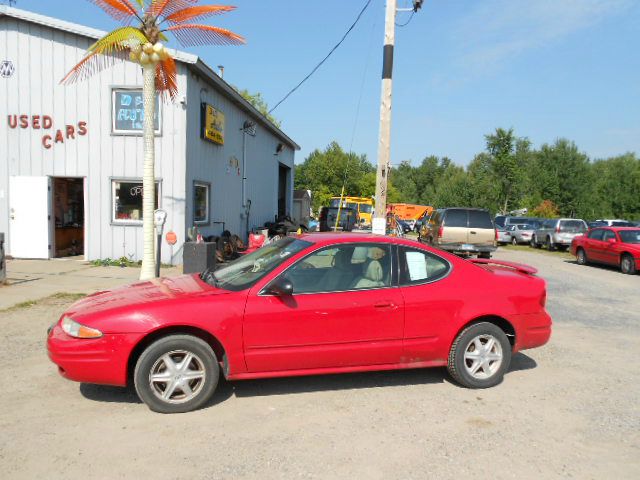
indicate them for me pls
(310, 304)
(617, 246)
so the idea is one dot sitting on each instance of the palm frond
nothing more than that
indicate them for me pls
(120, 10)
(92, 64)
(111, 48)
(167, 7)
(196, 34)
(197, 12)
(167, 78)
(118, 40)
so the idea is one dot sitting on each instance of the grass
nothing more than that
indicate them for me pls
(526, 248)
(64, 296)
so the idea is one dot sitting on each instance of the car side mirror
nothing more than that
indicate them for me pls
(282, 286)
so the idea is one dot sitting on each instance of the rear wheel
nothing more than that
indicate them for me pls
(486, 255)
(549, 244)
(581, 257)
(514, 241)
(627, 264)
(479, 356)
(176, 374)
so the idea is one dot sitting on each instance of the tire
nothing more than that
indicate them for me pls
(484, 255)
(549, 244)
(581, 257)
(461, 361)
(514, 241)
(627, 264)
(174, 348)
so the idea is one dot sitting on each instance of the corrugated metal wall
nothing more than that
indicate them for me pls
(221, 165)
(42, 56)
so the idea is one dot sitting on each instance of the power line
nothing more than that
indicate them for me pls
(325, 58)
(407, 22)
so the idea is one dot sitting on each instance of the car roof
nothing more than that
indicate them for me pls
(328, 238)
(617, 229)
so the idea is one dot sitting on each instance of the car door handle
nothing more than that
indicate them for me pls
(472, 233)
(384, 305)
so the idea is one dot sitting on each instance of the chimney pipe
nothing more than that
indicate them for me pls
(221, 71)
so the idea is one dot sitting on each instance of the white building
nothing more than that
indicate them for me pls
(71, 156)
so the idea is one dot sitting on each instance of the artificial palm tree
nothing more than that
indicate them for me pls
(142, 44)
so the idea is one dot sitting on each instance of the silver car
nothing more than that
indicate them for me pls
(558, 233)
(520, 233)
(503, 237)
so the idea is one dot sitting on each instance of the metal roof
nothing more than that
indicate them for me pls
(193, 62)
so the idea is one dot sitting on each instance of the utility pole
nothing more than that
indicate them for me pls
(384, 142)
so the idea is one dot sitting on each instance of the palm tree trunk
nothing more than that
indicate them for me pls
(148, 178)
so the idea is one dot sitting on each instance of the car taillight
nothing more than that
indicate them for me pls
(496, 231)
(558, 229)
(440, 231)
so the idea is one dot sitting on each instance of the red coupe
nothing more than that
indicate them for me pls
(311, 304)
(618, 246)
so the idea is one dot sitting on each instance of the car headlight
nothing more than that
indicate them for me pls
(77, 330)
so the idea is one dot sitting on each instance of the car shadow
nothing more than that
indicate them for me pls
(599, 266)
(298, 385)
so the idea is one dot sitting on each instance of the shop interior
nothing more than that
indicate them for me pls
(68, 207)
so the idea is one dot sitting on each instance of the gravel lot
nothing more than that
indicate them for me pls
(569, 409)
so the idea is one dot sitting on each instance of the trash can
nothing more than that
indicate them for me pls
(197, 257)
(3, 262)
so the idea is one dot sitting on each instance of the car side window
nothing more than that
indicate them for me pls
(418, 266)
(342, 268)
(596, 234)
(608, 234)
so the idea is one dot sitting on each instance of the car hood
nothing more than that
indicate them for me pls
(137, 294)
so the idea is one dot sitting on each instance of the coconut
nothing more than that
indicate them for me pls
(148, 48)
(155, 58)
(158, 47)
(144, 58)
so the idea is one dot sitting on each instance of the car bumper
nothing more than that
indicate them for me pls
(102, 360)
(469, 248)
(532, 330)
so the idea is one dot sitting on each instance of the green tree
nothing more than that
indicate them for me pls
(259, 103)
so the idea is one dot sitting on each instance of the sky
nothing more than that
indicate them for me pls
(546, 68)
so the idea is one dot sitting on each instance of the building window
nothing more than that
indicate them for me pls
(127, 201)
(201, 202)
(128, 112)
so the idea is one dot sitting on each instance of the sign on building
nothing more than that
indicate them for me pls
(212, 124)
(128, 111)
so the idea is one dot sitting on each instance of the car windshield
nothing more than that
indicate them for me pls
(630, 236)
(246, 271)
(572, 226)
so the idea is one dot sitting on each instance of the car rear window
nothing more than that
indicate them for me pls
(456, 218)
(572, 226)
(480, 219)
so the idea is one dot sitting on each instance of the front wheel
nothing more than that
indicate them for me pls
(581, 257)
(549, 244)
(479, 356)
(627, 264)
(176, 374)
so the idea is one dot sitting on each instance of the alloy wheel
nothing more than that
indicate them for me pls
(483, 356)
(177, 376)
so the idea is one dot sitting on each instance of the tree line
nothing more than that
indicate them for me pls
(554, 180)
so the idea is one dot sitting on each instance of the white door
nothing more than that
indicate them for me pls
(29, 217)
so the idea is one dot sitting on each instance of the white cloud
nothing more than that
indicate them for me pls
(498, 30)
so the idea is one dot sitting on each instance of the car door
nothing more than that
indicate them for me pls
(593, 245)
(609, 253)
(430, 303)
(347, 312)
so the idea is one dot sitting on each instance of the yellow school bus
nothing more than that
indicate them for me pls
(362, 205)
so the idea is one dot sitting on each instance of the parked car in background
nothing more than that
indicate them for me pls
(465, 231)
(287, 309)
(521, 233)
(502, 236)
(506, 220)
(343, 218)
(558, 233)
(611, 223)
(618, 246)
(405, 225)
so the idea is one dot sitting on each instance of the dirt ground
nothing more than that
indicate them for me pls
(569, 409)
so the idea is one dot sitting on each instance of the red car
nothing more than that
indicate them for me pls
(310, 304)
(619, 246)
